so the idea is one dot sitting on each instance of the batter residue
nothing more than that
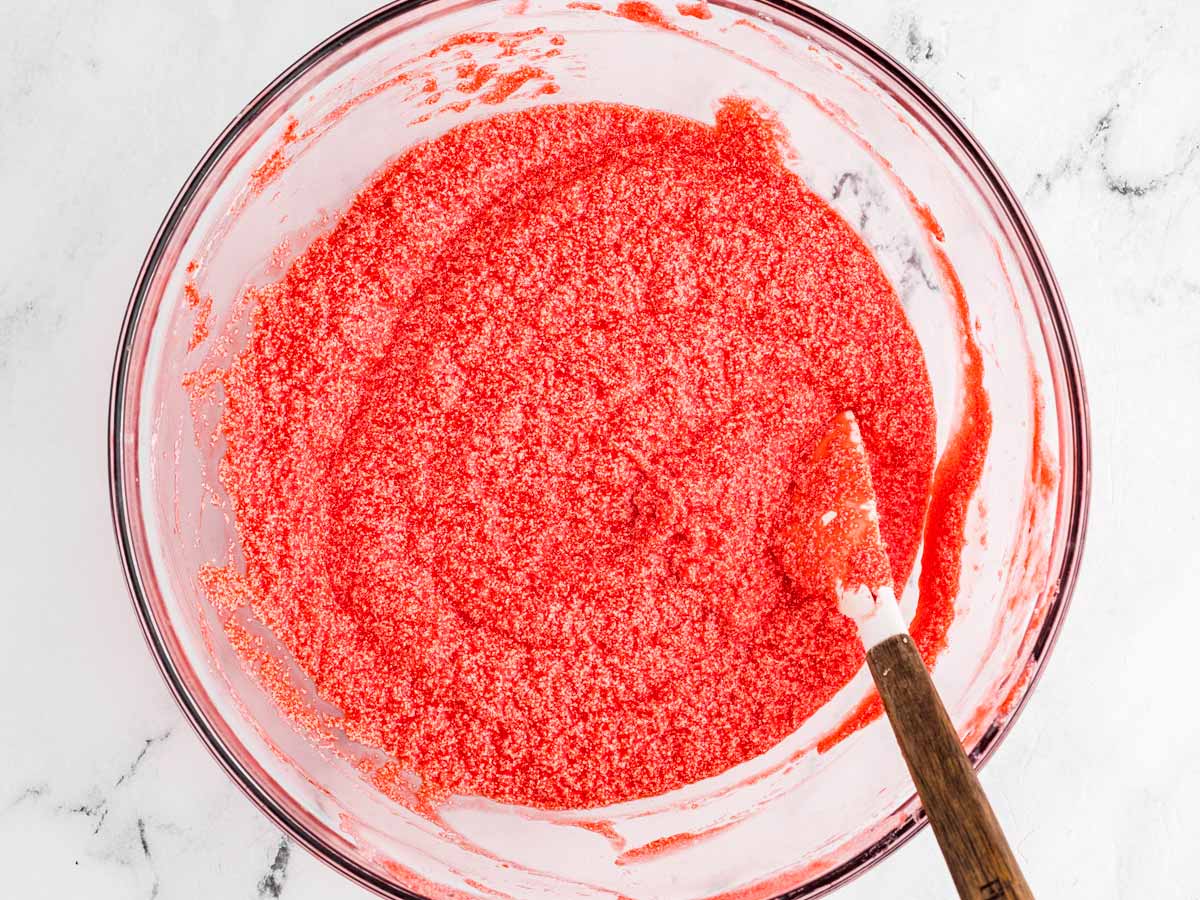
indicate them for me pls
(511, 446)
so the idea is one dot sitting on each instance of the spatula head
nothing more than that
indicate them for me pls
(831, 541)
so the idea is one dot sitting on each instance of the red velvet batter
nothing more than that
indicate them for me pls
(830, 534)
(510, 449)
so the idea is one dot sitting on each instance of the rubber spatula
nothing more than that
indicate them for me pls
(833, 530)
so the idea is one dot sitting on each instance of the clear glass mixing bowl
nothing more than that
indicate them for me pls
(869, 137)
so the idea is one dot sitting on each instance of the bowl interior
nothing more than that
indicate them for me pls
(865, 136)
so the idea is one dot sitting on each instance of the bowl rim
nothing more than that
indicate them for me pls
(1059, 333)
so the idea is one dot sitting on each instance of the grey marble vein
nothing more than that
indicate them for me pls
(917, 47)
(149, 857)
(271, 884)
(96, 805)
(1095, 147)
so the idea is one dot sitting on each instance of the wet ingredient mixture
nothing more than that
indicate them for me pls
(512, 445)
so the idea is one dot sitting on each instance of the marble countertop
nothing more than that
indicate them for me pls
(1093, 116)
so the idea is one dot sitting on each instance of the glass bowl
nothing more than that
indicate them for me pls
(812, 812)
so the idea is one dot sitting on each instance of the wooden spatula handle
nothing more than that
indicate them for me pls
(976, 852)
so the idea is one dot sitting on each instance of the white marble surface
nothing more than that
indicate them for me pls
(104, 107)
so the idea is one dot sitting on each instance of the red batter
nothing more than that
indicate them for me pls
(830, 537)
(511, 447)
